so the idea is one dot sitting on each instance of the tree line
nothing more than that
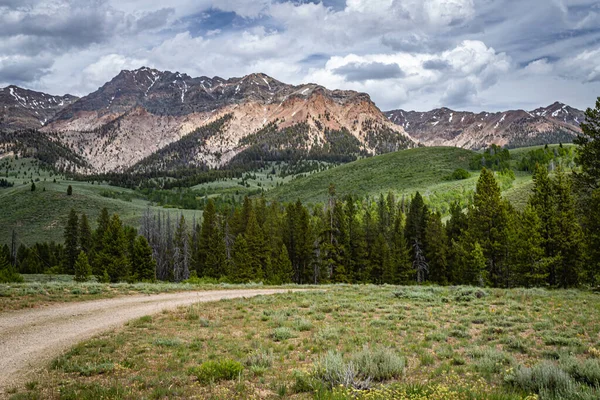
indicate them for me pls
(554, 241)
(350, 240)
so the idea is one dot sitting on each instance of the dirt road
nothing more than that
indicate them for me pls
(31, 338)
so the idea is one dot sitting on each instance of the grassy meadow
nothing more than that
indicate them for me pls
(41, 215)
(41, 290)
(346, 342)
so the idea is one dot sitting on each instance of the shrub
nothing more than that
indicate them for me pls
(587, 371)
(545, 377)
(260, 358)
(466, 294)
(417, 293)
(458, 174)
(379, 364)
(282, 333)
(361, 369)
(215, 371)
(303, 325)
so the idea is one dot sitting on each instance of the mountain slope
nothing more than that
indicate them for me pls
(424, 169)
(140, 112)
(400, 172)
(516, 128)
(27, 109)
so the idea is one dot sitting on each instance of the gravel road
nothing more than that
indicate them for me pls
(29, 339)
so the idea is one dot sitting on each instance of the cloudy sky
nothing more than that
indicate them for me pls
(411, 54)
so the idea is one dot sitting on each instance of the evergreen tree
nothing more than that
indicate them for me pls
(455, 227)
(69, 190)
(260, 260)
(113, 257)
(416, 221)
(588, 150)
(206, 239)
(436, 249)
(181, 257)
(400, 253)
(85, 234)
(592, 237)
(98, 242)
(380, 264)
(542, 200)
(241, 269)
(33, 186)
(71, 242)
(282, 268)
(83, 269)
(143, 264)
(489, 225)
(569, 239)
(8, 274)
(527, 251)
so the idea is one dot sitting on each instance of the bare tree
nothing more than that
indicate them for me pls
(419, 263)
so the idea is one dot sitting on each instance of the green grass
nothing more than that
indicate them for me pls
(41, 216)
(405, 171)
(39, 290)
(401, 342)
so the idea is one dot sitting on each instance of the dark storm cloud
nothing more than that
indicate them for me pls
(22, 70)
(436, 65)
(154, 20)
(67, 25)
(358, 72)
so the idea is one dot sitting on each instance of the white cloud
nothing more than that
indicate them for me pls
(107, 67)
(449, 52)
(538, 67)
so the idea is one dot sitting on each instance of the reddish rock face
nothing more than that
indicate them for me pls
(444, 127)
(26, 109)
(140, 112)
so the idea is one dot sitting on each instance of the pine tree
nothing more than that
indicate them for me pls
(477, 266)
(260, 261)
(380, 266)
(98, 242)
(207, 235)
(489, 225)
(33, 186)
(416, 221)
(113, 257)
(8, 274)
(401, 261)
(71, 242)
(592, 237)
(85, 234)
(436, 249)
(569, 239)
(527, 251)
(588, 151)
(69, 190)
(83, 269)
(241, 269)
(143, 264)
(282, 267)
(181, 258)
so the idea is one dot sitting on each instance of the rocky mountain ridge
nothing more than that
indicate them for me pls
(140, 112)
(27, 109)
(514, 128)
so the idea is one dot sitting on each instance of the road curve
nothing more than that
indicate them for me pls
(31, 338)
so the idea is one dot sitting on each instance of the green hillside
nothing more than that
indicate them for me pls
(401, 172)
(41, 215)
(404, 172)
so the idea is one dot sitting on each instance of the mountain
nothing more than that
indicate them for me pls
(26, 109)
(516, 128)
(133, 118)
